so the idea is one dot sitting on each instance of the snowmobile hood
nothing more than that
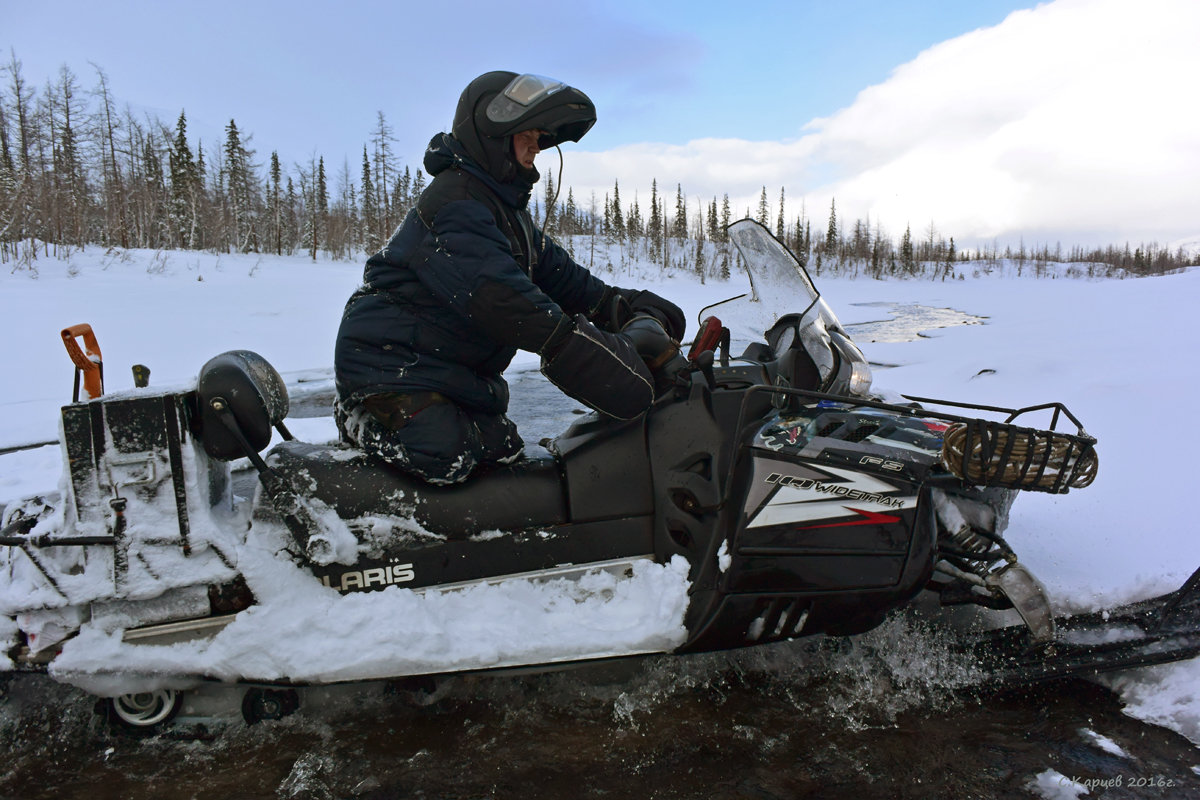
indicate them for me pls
(498, 104)
(445, 152)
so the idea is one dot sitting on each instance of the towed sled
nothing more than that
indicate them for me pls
(764, 497)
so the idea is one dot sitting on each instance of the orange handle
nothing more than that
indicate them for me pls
(86, 360)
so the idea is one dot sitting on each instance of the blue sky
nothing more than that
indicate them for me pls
(305, 76)
(309, 78)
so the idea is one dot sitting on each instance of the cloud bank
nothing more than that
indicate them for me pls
(1074, 121)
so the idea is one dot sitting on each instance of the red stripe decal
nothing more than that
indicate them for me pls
(867, 518)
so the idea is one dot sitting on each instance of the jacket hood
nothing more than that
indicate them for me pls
(493, 153)
(445, 151)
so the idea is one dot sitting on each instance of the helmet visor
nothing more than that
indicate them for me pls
(521, 94)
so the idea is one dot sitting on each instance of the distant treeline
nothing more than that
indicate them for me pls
(75, 170)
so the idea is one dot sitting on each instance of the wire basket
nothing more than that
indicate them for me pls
(986, 453)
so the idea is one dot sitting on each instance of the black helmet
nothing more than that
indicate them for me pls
(497, 105)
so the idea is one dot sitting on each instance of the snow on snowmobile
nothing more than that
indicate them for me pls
(764, 497)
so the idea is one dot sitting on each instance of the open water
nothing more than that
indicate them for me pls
(908, 322)
(890, 715)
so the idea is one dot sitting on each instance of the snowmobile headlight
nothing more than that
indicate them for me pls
(860, 378)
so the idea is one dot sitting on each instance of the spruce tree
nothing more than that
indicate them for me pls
(369, 236)
(183, 179)
(655, 226)
(239, 188)
(763, 210)
(204, 216)
(618, 219)
(550, 223)
(831, 233)
(570, 221)
(797, 243)
(290, 216)
(154, 219)
(779, 219)
(405, 191)
(275, 205)
(907, 262)
(320, 213)
(633, 223)
(680, 228)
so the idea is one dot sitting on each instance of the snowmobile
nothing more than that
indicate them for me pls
(766, 496)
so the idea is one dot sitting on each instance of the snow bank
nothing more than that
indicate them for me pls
(1167, 695)
(304, 631)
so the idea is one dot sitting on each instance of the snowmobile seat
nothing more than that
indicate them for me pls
(252, 390)
(526, 494)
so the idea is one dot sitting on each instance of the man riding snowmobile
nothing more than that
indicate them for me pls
(467, 280)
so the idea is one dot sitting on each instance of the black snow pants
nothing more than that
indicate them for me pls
(427, 435)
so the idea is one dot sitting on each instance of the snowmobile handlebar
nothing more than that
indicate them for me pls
(87, 360)
(654, 344)
(708, 338)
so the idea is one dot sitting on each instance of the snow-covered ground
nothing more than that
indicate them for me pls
(1118, 353)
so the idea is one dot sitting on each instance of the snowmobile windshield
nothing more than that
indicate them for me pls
(794, 310)
(772, 268)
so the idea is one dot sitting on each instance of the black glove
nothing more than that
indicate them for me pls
(618, 306)
(657, 349)
(662, 310)
(602, 370)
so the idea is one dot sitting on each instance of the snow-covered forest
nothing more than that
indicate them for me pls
(77, 168)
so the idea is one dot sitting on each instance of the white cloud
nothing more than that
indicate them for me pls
(1076, 120)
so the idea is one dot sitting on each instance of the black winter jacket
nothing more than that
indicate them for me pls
(465, 281)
